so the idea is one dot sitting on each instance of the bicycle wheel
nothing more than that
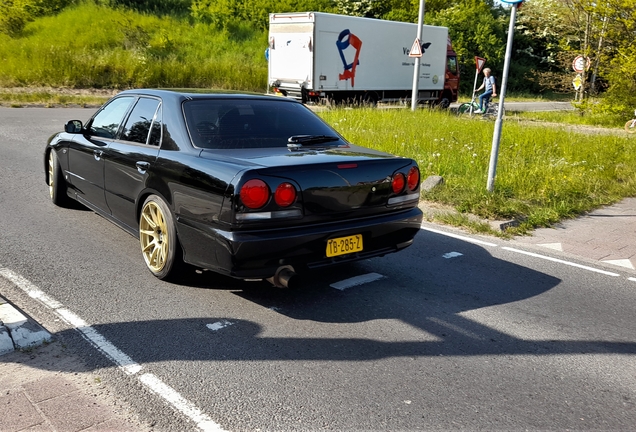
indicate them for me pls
(465, 108)
(493, 110)
(630, 126)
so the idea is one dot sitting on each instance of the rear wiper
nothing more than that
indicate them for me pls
(297, 141)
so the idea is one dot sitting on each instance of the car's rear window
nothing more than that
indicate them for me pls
(249, 123)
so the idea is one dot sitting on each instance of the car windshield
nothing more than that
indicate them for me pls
(252, 123)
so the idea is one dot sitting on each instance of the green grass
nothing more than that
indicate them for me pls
(126, 49)
(576, 117)
(544, 174)
(49, 98)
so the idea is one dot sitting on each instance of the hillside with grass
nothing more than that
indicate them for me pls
(95, 46)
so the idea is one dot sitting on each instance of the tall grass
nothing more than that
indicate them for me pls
(543, 174)
(577, 117)
(93, 46)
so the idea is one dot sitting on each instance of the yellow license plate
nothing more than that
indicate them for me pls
(344, 245)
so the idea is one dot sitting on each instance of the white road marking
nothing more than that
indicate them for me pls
(203, 422)
(357, 280)
(218, 325)
(555, 246)
(460, 237)
(30, 289)
(632, 279)
(451, 255)
(100, 342)
(547, 258)
(123, 361)
(621, 262)
(569, 263)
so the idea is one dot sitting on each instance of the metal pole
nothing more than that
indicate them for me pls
(494, 153)
(416, 70)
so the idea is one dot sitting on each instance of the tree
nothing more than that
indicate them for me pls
(476, 28)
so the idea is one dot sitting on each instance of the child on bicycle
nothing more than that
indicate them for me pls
(490, 91)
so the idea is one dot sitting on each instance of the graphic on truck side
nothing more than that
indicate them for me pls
(346, 39)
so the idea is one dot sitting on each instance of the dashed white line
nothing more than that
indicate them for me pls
(123, 361)
(544, 257)
(621, 262)
(218, 325)
(452, 255)
(355, 281)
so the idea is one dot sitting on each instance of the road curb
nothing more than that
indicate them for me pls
(18, 331)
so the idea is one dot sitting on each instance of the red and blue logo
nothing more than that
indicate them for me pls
(345, 40)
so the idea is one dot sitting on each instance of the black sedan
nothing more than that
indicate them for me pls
(250, 186)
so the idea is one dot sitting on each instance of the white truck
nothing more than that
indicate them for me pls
(322, 57)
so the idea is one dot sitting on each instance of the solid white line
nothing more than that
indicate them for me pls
(460, 237)
(203, 422)
(592, 269)
(123, 361)
(30, 289)
(100, 342)
(357, 280)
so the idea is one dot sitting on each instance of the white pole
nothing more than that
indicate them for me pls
(416, 70)
(494, 153)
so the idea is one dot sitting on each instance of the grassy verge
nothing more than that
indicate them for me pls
(544, 174)
(125, 49)
(49, 97)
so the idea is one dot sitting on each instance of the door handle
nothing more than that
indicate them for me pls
(98, 154)
(142, 167)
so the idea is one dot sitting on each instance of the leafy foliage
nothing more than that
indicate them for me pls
(228, 14)
(15, 14)
(475, 29)
(549, 34)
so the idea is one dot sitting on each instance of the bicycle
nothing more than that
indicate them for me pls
(470, 108)
(630, 126)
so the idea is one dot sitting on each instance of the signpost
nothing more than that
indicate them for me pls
(581, 64)
(416, 71)
(494, 153)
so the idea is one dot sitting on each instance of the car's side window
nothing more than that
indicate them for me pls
(140, 122)
(106, 123)
(155, 130)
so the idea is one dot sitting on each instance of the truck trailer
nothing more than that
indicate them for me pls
(319, 57)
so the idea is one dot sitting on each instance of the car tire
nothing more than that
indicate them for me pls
(158, 238)
(57, 184)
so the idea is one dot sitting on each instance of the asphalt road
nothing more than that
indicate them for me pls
(453, 333)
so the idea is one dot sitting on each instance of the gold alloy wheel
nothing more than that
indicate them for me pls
(51, 174)
(153, 234)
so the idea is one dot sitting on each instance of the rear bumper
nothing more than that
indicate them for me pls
(258, 253)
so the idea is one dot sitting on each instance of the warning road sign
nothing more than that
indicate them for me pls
(479, 63)
(416, 49)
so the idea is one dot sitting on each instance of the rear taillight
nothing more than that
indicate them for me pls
(255, 194)
(285, 194)
(413, 178)
(398, 183)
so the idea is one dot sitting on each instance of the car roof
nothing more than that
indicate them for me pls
(191, 94)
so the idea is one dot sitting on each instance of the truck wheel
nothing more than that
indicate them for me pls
(444, 103)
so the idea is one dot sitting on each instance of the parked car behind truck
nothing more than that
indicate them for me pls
(321, 57)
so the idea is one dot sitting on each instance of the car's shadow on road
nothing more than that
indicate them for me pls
(421, 287)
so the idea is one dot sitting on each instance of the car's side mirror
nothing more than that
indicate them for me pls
(73, 126)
